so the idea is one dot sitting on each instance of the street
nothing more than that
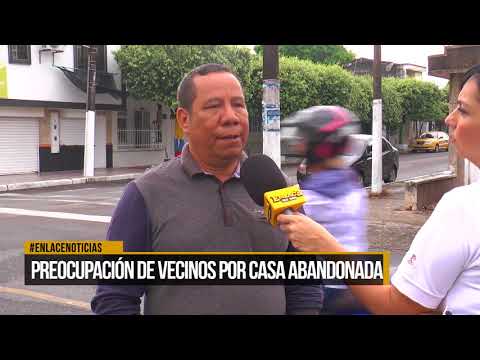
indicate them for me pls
(82, 213)
(411, 165)
(84, 209)
(418, 164)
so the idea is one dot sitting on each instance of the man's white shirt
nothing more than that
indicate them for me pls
(442, 267)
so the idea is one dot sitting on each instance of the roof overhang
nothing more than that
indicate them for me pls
(104, 81)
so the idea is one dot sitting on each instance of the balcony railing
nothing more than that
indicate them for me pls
(149, 139)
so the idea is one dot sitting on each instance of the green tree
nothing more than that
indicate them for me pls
(324, 54)
(302, 84)
(254, 93)
(360, 101)
(392, 102)
(422, 101)
(153, 72)
(446, 95)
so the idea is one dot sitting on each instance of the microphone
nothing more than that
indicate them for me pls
(267, 186)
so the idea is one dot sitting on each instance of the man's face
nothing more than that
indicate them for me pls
(217, 125)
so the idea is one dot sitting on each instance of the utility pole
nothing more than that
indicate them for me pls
(377, 128)
(271, 104)
(89, 149)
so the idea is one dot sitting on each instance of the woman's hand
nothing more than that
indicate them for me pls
(307, 235)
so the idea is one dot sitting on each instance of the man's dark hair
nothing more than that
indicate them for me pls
(472, 73)
(186, 90)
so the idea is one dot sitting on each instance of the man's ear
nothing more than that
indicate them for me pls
(183, 119)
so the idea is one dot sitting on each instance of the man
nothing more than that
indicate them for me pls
(197, 203)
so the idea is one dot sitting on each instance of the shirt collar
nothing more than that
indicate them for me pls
(191, 167)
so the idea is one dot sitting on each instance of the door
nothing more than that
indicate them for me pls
(19, 143)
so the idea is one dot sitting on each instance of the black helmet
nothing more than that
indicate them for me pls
(324, 129)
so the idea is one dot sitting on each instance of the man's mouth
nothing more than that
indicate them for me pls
(229, 137)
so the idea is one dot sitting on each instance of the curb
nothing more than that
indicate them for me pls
(397, 186)
(63, 182)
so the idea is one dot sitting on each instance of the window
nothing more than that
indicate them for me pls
(81, 57)
(19, 54)
(142, 129)
(427, 136)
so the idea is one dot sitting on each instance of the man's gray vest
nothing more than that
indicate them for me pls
(193, 211)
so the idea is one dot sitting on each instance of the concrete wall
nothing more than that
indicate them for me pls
(23, 112)
(44, 124)
(108, 124)
(421, 194)
(137, 158)
(44, 82)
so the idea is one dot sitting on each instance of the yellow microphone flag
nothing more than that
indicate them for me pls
(277, 201)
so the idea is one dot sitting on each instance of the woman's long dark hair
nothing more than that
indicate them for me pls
(473, 72)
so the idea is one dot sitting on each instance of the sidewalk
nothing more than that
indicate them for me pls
(390, 226)
(62, 178)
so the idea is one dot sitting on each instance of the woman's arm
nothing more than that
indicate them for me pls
(307, 235)
(387, 300)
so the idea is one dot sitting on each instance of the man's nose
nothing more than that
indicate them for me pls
(229, 117)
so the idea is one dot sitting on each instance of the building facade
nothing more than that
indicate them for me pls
(364, 66)
(42, 112)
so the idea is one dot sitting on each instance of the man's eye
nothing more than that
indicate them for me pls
(462, 111)
(212, 106)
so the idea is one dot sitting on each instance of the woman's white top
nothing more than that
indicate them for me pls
(442, 267)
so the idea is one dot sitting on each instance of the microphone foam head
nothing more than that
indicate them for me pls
(259, 174)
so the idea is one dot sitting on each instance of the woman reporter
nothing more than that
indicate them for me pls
(441, 270)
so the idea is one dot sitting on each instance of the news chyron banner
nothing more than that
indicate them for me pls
(104, 262)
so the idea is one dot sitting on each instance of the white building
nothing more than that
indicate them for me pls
(42, 112)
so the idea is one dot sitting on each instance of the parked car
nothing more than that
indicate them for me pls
(360, 158)
(431, 141)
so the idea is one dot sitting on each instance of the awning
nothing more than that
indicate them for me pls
(104, 81)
